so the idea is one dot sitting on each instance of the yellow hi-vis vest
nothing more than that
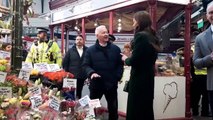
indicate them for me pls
(40, 53)
(202, 71)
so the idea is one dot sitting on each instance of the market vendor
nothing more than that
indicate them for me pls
(44, 50)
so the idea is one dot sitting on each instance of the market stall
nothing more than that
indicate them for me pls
(38, 91)
(162, 12)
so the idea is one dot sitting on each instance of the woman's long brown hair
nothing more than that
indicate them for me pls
(144, 22)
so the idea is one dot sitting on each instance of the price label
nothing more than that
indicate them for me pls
(95, 103)
(24, 74)
(41, 67)
(6, 91)
(84, 101)
(27, 66)
(35, 90)
(54, 103)
(36, 101)
(53, 67)
(90, 113)
(4, 54)
(70, 83)
(3, 76)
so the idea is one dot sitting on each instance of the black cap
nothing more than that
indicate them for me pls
(111, 37)
(41, 29)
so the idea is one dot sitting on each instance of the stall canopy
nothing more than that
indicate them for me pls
(124, 10)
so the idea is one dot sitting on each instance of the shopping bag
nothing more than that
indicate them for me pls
(126, 86)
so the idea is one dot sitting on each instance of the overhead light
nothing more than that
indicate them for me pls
(96, 23)
(119, 20)
(119, 27)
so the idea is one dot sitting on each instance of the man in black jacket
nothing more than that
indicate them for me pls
(104, 67)
(73, 60)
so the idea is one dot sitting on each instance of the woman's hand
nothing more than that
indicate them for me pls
(124, 57)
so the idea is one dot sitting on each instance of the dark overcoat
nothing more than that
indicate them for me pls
(105, 61)
(72, 62)
(141, 84)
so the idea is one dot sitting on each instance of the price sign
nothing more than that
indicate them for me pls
(84, 101)
(70, 83)
(95, 103)
(41, 67)
(27, 66)
(3, 76)
(54, 67)
(4, 54)
(35, 90)
(24, 74)
(54, 103)
(90, 114)
(6, 91)
(36, 101)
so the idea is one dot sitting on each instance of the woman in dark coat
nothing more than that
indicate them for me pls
(145, 46)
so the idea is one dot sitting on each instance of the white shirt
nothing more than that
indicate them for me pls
(80, 51)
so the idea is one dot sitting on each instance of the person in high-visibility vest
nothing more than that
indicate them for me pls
(44, 50)
(198, 89)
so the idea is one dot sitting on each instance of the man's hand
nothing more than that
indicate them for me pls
(95, 75)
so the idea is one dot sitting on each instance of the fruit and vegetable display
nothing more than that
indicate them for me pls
(4, 65)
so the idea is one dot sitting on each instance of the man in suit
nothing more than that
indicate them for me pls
(104, 67)
(203, 56)
(73, 60)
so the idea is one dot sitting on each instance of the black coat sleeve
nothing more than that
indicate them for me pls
(87, 63)
(120, 68)
(65, 62)
(140, 51)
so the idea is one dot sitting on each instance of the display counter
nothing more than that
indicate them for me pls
(169, 99)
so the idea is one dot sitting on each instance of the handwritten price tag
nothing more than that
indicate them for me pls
(95, 103)
(54, 103)
(24, 74)
(4, 54)
(90, 114)
(27, 66)
(41, 67)
(6, 91)
(70, 83)
(3, 76)
(84, 101)
(53, 67)
(36, 101)
(35, 90)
